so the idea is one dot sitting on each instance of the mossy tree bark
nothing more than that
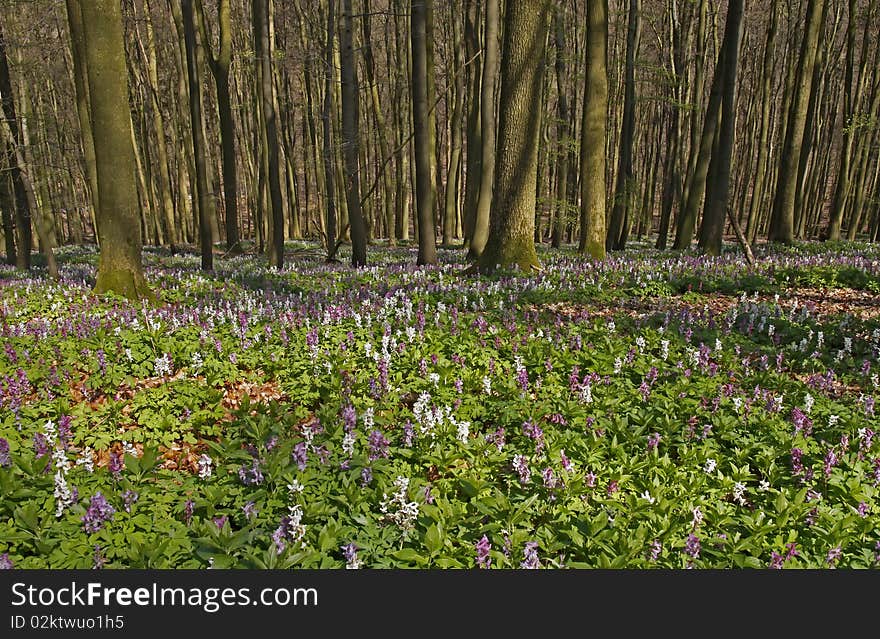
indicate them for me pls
(511, 239)
(118, 217)
(593, 132)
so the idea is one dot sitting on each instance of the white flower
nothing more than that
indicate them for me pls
(348, 444)
(697, 517)
(618, 364)
(163, 366)
(434, 378)
(640, 342)
(710, 466)
(463, 431)
(832, 420)
(85, 460)
(664, 349)
(295, 487)
(647, 497)
(397, 509)
(205, 464)
(739, 490)
(487, 385)
(764, 485)
(808, 403)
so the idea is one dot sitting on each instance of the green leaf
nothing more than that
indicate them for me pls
(433, 539)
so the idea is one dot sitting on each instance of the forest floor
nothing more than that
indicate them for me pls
(657, 409)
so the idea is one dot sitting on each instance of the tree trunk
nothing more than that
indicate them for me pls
(206, 204)
(782, 220)
(351, 139)
(487, 129)
(422, 138)
(593, 133)
(119, 266)
(715, 211)
(511, 239)
(621, 213)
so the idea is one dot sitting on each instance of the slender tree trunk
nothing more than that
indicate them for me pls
(488, 130)
(715, 212)
(351, 139)
(593, 133)
(326, 114)
(782, 221)
(421, 124)
(621, 213)
(270, 123)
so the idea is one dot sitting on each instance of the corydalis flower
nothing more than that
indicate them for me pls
(220, 521)
(397, 509)
(349, 551)
(249, 510)
(530, 556)
(291, 529)
(5, 562)
(129, 498)
(4, 453)
(654, 550)
(521, 466)
(483, 547)
(300, 455)
(692, 546)
(378, 444)
(99, 512)
(205, 466)
(653, 441)
(834, 556)
(251, 475)
(188, 508)
(115, 465)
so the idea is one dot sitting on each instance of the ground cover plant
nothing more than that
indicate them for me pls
(652, 410)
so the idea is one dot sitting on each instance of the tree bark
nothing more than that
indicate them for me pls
(511, 239)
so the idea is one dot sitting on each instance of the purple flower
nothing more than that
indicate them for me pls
(797, 465)
(220, 521)
(188, 508)
(251, 476)
(5, 562)
(300, 455)
(426, 493)
(378, 445)
(98, 513)
(349, 417)
(98, 559)
(653, 441)
(613, 487)
(41, 444)
(483, 547)
(830, 462)
(590, 479)
(833, 555)
(534, 432)
(129, 497)
(550, 480)
(4, 453)
(521, 466)
(64, 431)
(408, 433)
(522, 378)
(497, 438)
(115, 464)
(655, 549)
(692, 546)
(802, 423)
(566, 462)
(863, 509)
(366, 476)
(249, 510)
(530, 558)
(349, 551)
